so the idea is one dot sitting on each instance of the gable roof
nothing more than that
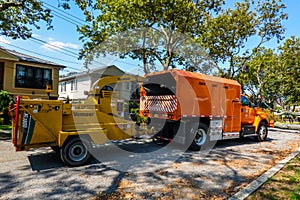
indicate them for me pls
(100, 71)
(27, 58)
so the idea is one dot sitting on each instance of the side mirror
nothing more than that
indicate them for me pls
(85, 92)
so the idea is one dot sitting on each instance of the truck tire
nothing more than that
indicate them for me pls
(75, 152)
(262, 132)
(199, 136)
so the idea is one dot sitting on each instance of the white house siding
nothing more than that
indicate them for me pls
(84, 82)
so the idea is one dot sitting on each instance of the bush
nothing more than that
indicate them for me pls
(5, 100)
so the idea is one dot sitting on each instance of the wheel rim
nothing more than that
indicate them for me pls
(77, 152)
(263, 131)
(200, 137)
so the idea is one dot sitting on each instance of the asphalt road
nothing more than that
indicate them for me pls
(140, 169)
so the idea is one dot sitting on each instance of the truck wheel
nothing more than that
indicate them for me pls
(75, 151)
(262, 132)
(199, 135)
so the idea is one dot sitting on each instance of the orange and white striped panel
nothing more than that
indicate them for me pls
(164, 103)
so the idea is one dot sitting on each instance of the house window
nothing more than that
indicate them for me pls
(63, 87)
(127, 86)
(32, 77)
(73, 85)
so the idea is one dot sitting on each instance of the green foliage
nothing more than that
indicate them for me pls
(6, 127)
(283, 185)
(290, 70)
(262, 77)
(135, 112)
(5, 100)
(18, 17)
(156, 28)
(227, 34)
(222, 32)
(68, 99)
(274, 75)
(138, 118)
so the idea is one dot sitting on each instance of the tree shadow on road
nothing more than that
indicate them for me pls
(205, 170)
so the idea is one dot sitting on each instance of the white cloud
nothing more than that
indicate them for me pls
(36, 35)
(56, 45)
(3, 40)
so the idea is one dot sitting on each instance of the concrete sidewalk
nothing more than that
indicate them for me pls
(288, 126)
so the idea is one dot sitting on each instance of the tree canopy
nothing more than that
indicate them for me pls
(155, 28)
(274, 74)
(289, 70)
(17, 18)
(227, 34)
(222, 31)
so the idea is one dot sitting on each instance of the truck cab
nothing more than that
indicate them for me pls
(254, 120)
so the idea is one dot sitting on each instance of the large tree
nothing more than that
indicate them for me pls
(290, 70)
(17, 18)
(152, 31)
(275, 75)
(223, 32)
(262, 75)
(228, 33)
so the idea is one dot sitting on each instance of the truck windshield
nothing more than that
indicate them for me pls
(245, 101)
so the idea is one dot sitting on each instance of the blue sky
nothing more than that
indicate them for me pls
(62, 43)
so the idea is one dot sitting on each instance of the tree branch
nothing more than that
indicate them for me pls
(8, 5)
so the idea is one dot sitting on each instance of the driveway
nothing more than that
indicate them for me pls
(140, 169)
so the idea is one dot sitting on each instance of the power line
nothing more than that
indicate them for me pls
(66, 18)
(77, 23)
(46, 56)
(75, 17)
(67, 52)
(55, 46)
(54, 57)
(39, 43)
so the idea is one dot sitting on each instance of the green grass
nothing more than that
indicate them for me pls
(283, 185)
(5, 134)
(5, 127)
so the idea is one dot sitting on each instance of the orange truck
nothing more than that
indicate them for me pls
(196, 109)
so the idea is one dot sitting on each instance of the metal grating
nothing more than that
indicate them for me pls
(165, 103)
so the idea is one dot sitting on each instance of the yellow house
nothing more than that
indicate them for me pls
(24, 75)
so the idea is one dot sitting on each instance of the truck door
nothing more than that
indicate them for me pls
(247, 112)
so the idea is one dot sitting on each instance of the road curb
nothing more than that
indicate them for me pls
(254, 185)
(288, 126)
(285, 130)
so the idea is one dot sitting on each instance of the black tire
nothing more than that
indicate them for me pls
(262, 132)
(75, 151)
(198, 133)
